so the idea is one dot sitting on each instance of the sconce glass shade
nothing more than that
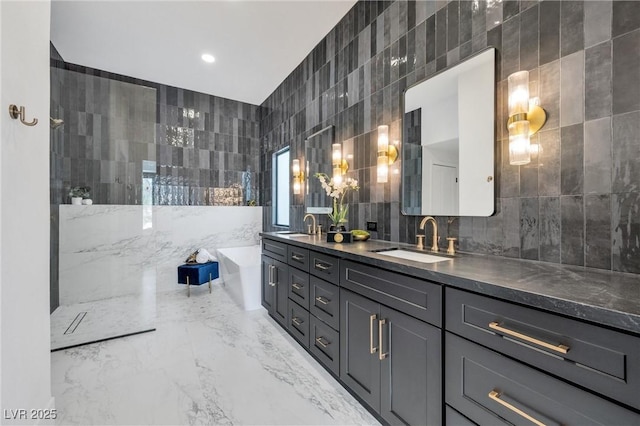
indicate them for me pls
(518, 83)
(383, 168)
(519, 143)
(383, 154)
(337, 174)
(383, 138)
(336, 157)
(295, 169)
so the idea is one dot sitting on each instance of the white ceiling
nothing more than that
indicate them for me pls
(257, 44)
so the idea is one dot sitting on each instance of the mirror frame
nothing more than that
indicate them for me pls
(484, 174)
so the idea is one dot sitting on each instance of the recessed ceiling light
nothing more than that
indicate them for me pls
(208, 58)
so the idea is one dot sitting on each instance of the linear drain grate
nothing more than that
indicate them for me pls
(75, 323)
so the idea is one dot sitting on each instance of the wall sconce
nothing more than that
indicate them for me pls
(340, 165)
(298, 176)
(387, 154)
(525, 118)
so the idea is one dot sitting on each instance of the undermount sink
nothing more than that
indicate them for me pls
(412, 255)
(292, 234)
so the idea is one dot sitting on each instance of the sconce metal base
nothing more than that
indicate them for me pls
(392, 154)
(536, 116)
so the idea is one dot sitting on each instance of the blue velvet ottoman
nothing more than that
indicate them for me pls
(197, 274)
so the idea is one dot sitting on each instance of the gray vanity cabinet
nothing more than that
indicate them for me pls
(391, 360)
(275, 278)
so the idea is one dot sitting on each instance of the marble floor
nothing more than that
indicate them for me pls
(208, 362)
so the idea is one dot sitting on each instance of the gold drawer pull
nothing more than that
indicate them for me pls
(372, 349)
(321, 266)
(323, 300)
(320, 341)
(558, 348)
(296, 257)
(496, 397)
(296, 286)
(296, 321)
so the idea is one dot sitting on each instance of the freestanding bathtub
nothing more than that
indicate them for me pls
(241, 274)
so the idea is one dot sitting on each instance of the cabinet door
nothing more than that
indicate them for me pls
(411, 377)
(359, 363)
(267, 284)
(281, 292)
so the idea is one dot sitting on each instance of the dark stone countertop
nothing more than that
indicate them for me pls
(602, 297)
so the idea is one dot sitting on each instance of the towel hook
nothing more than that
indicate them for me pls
(16, 112)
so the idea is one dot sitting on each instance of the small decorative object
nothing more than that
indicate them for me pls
(360, 235)
(87, 201)
(78, 193)
(339, 237)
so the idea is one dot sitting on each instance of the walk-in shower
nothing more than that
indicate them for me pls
(102, 284)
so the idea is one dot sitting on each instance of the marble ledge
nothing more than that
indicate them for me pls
(602, 297)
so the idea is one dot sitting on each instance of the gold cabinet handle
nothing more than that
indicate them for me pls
(558, 348)
(321, 266)
(296, 257)
(320, 341)
(296, 321)
(381, 354)
(372, 348)
(323, 300)
(270, 274)
(496, 397)
(296, 286)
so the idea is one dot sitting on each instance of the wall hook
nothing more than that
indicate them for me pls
(16, 112)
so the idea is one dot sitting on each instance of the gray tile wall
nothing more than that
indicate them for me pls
(577, 203)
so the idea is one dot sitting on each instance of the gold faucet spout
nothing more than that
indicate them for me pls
(312, 230)
(434, 242)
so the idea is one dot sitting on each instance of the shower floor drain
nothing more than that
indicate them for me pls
(75, 323)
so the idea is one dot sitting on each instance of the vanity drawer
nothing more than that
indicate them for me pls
(492, 389)
(275, 250)
(299, 287)
(324, 300)
(418, 298)
(324, 343)
(298, 323)
(599, 359)
(298, 258)
(324, 266)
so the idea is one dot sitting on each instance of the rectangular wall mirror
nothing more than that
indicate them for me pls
(448, 141)
(317, 154)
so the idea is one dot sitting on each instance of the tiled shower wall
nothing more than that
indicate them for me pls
(578, 203)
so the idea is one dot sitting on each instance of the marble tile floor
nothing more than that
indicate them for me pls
(208, 362)
(104, 319)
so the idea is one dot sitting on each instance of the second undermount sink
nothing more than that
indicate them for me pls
(292, 234)
(412, 255)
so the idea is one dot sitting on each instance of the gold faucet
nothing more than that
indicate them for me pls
(311, 229)
(434, 245)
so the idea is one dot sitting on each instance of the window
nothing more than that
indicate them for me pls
(281, 187)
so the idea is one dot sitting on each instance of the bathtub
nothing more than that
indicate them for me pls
(241, 272)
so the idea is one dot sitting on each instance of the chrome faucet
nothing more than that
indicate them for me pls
(434, 245)
(310, 229)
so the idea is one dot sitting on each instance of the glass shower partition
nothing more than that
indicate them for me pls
(103, 280)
